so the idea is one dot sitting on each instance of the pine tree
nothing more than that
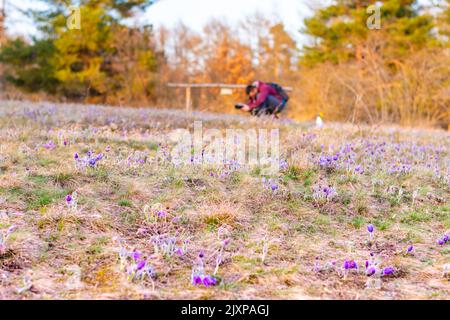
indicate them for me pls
(340, 31)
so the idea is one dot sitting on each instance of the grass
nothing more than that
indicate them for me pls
(119, 199)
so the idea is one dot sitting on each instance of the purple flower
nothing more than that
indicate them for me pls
(176, 219)
(161, 214)
(92, 162)
(370, 228)
(69, 199)
(410, 248)
(226, 242)
(371, 271)
(99, 157)
(11, 230)
(346, 265)
(209, 281)
(196, 280)
(141, 265)
(201, 254)
(274, 187)
(136, 255)
(367, 264)
(350, 265)
(387, 271)
(441, 242)
(445, 238)
(76, 156)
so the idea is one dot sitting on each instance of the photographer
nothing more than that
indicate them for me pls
(264, 99)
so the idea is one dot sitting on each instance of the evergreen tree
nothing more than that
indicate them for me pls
(340, 31)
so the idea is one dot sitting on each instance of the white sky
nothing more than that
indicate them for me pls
(194, 13)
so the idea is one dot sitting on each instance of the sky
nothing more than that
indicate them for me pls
(193, 13)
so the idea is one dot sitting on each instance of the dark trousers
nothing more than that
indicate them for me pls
(270, 106)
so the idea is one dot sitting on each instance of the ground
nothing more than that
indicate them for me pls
(283, 238)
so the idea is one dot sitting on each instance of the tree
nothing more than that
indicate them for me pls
(340, 32)
(81, 63)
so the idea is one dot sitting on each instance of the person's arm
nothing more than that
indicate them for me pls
(262, 96)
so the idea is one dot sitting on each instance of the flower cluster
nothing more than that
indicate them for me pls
(443, 240)
(269, 184)
(135, 266)
(322, 191)
(50, 145)
(198, 276)
(89, 160)
(168, 247)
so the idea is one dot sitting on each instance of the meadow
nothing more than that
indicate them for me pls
(92, 207)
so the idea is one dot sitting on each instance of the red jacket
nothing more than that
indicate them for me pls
(264, 90)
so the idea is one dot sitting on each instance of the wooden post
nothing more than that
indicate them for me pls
(188, 98)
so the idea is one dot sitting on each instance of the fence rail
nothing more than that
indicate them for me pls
(189, 86)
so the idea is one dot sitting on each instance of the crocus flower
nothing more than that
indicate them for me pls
(350, 264)
(274, 187)
(445, 238)
(441, 242)
(387, 271)
(69, 199)
(371, 271)
(136, 255)
(201, 254)
(196, 280)
(209, 281)
(76, 156)
(410, 249)
(370, 228)
(141, 265)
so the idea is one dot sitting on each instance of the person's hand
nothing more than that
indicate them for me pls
(245, 107)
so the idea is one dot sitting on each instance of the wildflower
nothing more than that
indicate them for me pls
(141, 265)
(136, 255)
(410, 249)
(209, 281)
(226, 242)
(76, 156)
(371, 271)
(445, 238)
(370, 229)
(274, 187)
(387, 271)
(441, 242)
(176, 219)
(350, 264)
(201, 254)
(197, 280)
(69, 199)
(50, 145)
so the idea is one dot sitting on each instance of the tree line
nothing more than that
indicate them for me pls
(346, 70)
